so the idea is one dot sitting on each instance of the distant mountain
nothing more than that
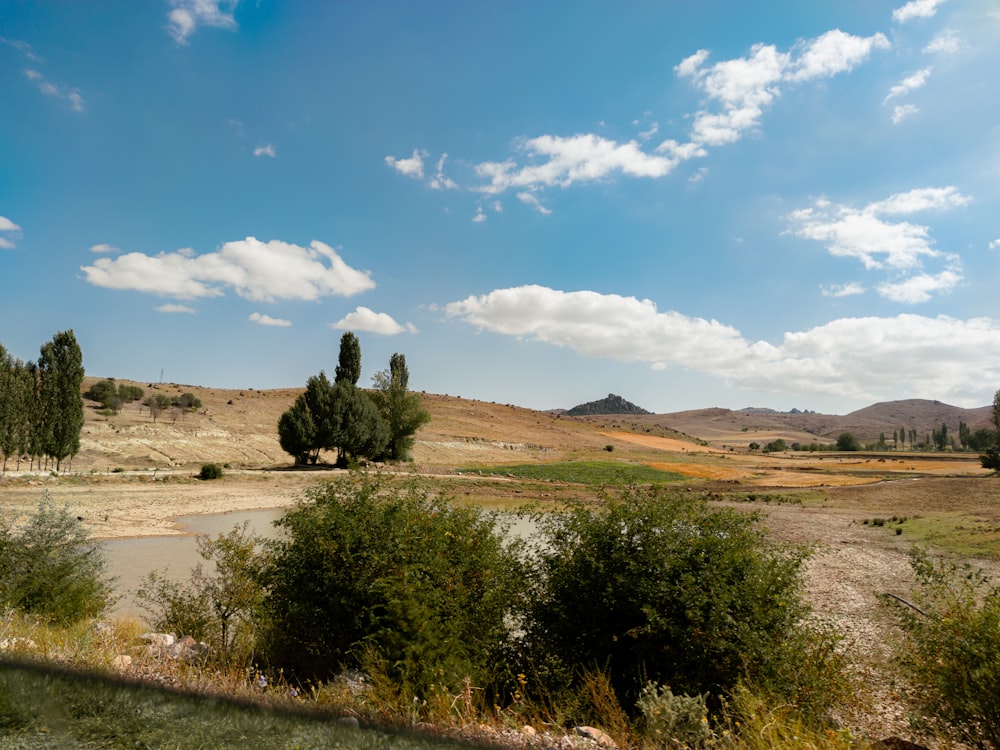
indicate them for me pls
(611, 405)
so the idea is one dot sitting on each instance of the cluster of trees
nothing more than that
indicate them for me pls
(113, 396)
(41, 407)
(378, 424)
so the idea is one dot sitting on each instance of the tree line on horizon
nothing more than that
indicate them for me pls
(41, 407)
(354, 423)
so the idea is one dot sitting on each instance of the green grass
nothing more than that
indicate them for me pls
(42, 708)
(585, 472)
(958, 534)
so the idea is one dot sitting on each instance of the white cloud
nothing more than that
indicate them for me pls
(743, 87)
(564, 161)
(364, 319)
(530, 200)
(265, 150)
(412, 167)
(187, 15)
(916, 9)
(901, 247)
(47, 87)
(258, 271)
(910, 83)
(995, 244)
(861, 358)
(103, 247)
(480, 216)
(8, 227)
(267, 320)
(441, 181)
(920, 287)
(901, 111)
(944, 43)
(843, 290)
(170, 308)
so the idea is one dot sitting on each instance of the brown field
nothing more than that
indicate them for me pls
(823, 499)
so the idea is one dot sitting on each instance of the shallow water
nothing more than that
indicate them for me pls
(130, 561)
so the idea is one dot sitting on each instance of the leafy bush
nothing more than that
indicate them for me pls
(217, 607)
(210, 471)
(50, 567)
(654, 586)
(373, 576)
(847, 442)
(951, 652)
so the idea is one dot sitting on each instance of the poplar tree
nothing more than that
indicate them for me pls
(349, 364)
(61, 366)
(402, 411)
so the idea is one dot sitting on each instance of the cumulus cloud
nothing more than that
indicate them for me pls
(186, 16)
(267, 320)
(412, 167)
(364, 319)
(742, 88)
(916, 9)
(881, 242)
(861, 358)
(265, 150)
(562, 161)
(171, 308)
(8, 229)
(255, 270)
(910, 83)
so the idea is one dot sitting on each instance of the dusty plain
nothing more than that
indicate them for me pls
(134, 476)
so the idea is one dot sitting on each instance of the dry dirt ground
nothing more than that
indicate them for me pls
(853, 564)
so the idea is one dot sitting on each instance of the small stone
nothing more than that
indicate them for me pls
(121, 662)
(349, 721)
(528, 731)
(597, 735)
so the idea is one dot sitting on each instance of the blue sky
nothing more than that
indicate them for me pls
(777, 203)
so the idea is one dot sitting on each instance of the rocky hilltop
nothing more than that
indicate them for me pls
(611, 405)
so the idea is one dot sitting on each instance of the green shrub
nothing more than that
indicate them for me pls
(210, 471)
(50, 567)
(951, 651)
(654, 586)
(371, 575)
(218, 606)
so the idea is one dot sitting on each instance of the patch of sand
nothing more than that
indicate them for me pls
(662, 443)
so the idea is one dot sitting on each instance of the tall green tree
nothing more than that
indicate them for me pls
(297, 432)
(362, 432)
(61, 365)
(8, 405)
(402, 411)
(349, 363)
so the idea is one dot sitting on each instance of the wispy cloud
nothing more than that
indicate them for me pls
(849, 289)
(255, 270)
(862, 358)
(531, 200)
(910, 83)
(104, 247)
(8, 229)
(995, 244)
(945, 42)
(59, 91)
(901, 111)
(441, 181)
(267, 320)
(872, 236)
(186, 16)
(364, 319)
(175, 309)
(916, 9)
(266, 150)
